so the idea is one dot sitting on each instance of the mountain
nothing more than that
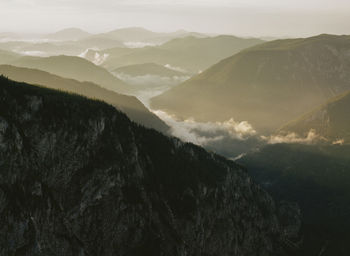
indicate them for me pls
(190, 53)
(137, 34)
(73, 48)
(78, 177)
(331, 121)
(318, 179)
(74, 68)
(6, 56)
(134, 109)
(148, 69)
(266, 85)
(68, 34)
(132, 34)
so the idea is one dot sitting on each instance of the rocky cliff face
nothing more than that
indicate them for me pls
(78, 178)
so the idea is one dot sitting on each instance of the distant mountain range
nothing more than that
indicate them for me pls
(135, 110)
(191, 54)
(49, 48)
(138, 34)
(267, 85)
(331, 121)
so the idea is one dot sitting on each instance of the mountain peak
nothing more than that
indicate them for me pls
(68, 34)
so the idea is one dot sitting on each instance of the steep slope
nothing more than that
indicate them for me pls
(74, 68)
(189, 53)
(266, 85)
(68, 34)
(331, 121)
(78, 178)
(318, 179)
(135, 110)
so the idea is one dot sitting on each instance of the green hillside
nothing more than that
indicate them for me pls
(266, 85)
(190, 53)
(6, 56)
(135, 110)
(331, 121)
(74, 68)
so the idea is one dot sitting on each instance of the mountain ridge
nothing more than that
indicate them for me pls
(75, 68)
(275, 81)
(79, 178)
(330, 121)
(134, 109)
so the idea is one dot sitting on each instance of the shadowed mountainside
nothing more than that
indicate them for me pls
(317, 177)
(77, 177)
(135, 110)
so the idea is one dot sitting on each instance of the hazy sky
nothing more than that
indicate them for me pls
(240, 17)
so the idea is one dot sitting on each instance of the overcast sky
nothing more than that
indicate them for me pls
(240, 17)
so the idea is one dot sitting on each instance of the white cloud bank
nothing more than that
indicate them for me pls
(310, 138)
(202, 133)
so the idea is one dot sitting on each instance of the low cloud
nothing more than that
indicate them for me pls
(94, 56)
(338, 142)
(139, 44)
(310, 138)
(175, 68)
(229, 138)
(202, 133)
(34, 53)
(151, 80)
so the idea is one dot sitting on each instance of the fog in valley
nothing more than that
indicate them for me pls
(164, 125)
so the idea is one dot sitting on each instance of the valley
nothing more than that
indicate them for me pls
(174, 143)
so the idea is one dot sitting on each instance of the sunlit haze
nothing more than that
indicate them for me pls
(245, 18)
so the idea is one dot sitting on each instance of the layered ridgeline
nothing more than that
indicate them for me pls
(317, 177)
(266, 85)
(135, 110)
(331, 121)
(137, 36)
(79, 178)
(54, 48)
(74, 68)
(7, 56)
(192, 54)
(74, 41)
